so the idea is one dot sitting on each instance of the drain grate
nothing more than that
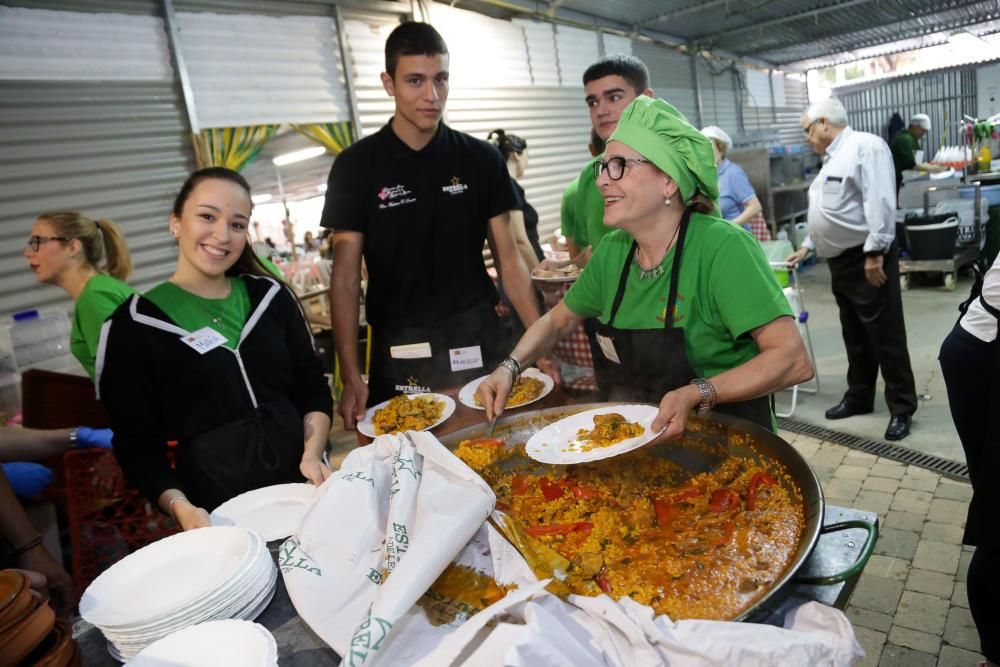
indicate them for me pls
(952, 469)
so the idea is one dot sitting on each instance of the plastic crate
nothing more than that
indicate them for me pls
(107, 519)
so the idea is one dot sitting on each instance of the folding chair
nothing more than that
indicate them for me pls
(795, 300)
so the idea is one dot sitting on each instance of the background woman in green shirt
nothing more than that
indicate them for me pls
(89, 259)
(665, 327)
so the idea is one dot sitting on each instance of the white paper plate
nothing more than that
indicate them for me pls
(465, 396)
(556, 279)
(213, 644)
(165, 576)
(557, 443)
(273, 511)
(366, 427)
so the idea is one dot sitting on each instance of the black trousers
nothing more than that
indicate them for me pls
(871, 320)
(983, 583)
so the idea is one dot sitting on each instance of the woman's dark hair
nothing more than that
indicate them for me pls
(412, 38)
(248, 262)
(509, 144)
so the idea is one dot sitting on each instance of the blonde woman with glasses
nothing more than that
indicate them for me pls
(90, 260)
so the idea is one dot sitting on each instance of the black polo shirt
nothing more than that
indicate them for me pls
(424, 215)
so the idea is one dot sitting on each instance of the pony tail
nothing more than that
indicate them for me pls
(116, 252)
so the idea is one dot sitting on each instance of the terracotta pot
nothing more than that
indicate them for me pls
(21, 638)
(19, 603)
(57, 650)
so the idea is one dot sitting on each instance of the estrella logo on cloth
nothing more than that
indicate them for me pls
(456, 187)
(391, 196)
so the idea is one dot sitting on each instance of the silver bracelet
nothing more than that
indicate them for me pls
(707, 393)
(514, 366)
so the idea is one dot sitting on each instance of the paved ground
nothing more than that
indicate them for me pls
(930, 313)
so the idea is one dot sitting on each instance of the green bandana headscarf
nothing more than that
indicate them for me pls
(662, 135)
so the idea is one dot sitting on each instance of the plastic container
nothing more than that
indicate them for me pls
(778, 251)
(41, 340)
(990, 193)
(935, 241)
(10, 398)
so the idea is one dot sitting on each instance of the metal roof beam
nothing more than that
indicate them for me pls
(854, 30)
(683, 11)
(922, 31)
(797, 16)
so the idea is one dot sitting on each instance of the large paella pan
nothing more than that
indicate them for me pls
(713, 526)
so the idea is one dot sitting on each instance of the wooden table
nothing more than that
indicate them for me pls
(466, 416)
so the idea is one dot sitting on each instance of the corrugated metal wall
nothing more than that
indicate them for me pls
(366, 34)
(720, 100)
(944, 95)
(248, 69)
(670, 77)
(114, 148)
(791, 98)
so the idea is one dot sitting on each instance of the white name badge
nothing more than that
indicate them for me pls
(464, 358)
(608, 348)
(411, 351)
(204, 340)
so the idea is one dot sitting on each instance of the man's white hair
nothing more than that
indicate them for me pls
(831, 109)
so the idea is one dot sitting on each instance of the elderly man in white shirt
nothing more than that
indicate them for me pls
(852, 225)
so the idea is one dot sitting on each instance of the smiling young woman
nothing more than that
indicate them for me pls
(220, 359)
(89, 259)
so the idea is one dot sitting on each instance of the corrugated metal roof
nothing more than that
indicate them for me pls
(793, 34)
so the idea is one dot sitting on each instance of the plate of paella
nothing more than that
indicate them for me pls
(534, 385)
(407, 412)
(594, 435)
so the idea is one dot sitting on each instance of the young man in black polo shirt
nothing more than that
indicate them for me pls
(417, 199)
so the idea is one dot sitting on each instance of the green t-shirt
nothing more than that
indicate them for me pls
(100, 297)
(583, 209)
(192, 312)
(903, 147)
(726, 290)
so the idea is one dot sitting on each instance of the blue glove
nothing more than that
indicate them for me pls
(94, 437)
(27, 479)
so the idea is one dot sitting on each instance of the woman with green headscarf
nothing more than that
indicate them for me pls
(691, 314)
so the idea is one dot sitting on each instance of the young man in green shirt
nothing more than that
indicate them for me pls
(610, 85)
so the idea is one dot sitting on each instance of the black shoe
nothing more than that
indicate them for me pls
(899, 427)
(845, 409)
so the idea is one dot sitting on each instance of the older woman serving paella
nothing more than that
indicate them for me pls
(690, 313)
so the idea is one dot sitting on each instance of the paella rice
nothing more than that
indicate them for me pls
(707, 546)
(526, 390)
(609, 429)
(407, 413)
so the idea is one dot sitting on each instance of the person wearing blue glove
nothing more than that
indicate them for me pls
(31, 444)
(28, 480)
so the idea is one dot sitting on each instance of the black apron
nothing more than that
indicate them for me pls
(262, 449)
(980, 528)
(475, 328)
(648, 363)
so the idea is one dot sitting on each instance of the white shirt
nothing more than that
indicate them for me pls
(852, 201)
(976, 320)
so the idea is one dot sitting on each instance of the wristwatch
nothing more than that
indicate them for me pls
(708, 395)
(875, 253)
(73, 433)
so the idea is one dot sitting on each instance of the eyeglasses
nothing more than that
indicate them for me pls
(809, 128)
(35, 242)
(615, 167)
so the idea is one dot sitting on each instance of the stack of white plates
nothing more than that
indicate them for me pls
(212, 644)
(222, 572)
